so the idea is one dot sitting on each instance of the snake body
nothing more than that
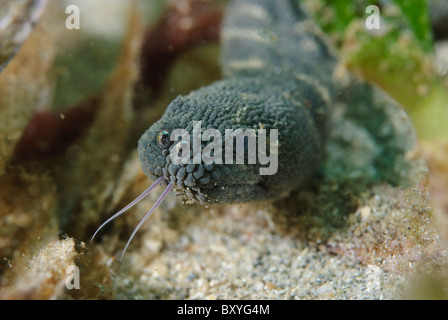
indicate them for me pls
(276, 76)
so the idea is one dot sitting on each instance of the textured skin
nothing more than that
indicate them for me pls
(277, 73)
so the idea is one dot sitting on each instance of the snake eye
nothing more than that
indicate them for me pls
(163, 139)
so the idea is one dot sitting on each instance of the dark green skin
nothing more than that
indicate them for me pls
(290, 92)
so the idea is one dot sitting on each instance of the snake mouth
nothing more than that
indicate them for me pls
(192, 180)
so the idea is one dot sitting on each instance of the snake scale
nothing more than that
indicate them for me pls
(277, 75)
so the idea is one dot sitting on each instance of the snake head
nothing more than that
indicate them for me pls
(196, 124)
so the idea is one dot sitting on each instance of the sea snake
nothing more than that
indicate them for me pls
(277, 75)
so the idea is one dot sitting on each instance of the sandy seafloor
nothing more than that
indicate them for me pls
(239, 254)
(235, 256)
